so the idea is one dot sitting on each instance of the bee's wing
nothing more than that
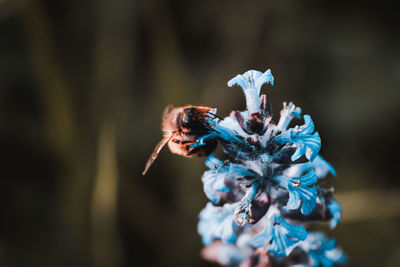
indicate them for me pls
(157, 150)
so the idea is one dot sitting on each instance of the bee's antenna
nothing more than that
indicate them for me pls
(214, 115)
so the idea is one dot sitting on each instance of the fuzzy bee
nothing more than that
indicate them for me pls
(181, 127)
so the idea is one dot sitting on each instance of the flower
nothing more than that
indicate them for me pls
(307, 143)
(221, 177)
(319, 165)
(226, 254)
(217, 223)
(302, 191)
(322, 252)
(336, 212)
(283, 236)
(288, 112)
(251, 82)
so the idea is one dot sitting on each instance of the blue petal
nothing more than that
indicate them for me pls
(308, 126)
(252, 79)
(231, 255)
(216, 223)
(294, 231)
(307, 179)
(208, 186)
(215, 180)
(228, 135)
(309, 204)
(322, 167)
(307, 144)
(322, 251)
(219, 131)
(263, 238)
(294, 200)
(225, 231)
(212, 161)
(301, 191)
(288, 112)
(239, 170)
(336, 212)
(286, 236)
(282, 234)
(251, 82)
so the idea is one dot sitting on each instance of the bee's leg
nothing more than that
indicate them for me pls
(208, 122)
(201, 141)
(213, 116)
(192, 146)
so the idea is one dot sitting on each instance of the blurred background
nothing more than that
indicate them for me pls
(83, 85)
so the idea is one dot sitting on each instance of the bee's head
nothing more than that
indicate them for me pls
(193, 118)
(189, 115)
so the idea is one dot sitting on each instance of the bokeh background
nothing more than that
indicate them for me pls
(83, 85)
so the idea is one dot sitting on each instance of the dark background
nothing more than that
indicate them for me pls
(83, 85)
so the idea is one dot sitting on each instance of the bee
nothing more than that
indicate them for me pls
(181, 127)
